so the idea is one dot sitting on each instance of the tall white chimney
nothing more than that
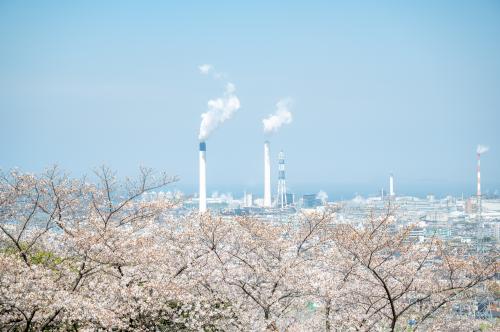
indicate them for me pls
(267, 175)
(391, 185)
(478, 175)
(203, 178)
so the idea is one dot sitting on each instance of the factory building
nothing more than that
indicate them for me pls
(310, 201)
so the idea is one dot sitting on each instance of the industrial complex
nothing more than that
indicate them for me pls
(473, 220)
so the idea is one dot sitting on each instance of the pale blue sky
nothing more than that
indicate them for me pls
(409, 87)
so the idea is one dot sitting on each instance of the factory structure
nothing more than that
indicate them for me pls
(392, 194)
(283, 201)
(478, 194)
(203, 178)
(267, 175)
(474, 220)
(281, 197)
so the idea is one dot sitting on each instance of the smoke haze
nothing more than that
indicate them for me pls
(322, 195)
(219, 110)
(280, 117)
(482, 149)
(205, 69)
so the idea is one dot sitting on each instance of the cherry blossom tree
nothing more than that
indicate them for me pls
(99, 254)
(393, 282)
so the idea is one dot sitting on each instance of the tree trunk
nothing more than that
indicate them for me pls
(328, 307)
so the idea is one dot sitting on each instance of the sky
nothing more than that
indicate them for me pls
(408, 87)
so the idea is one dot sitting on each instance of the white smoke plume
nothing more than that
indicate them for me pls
(205, 69)
(482, 149)
(282, 116)
(322, 195)
(219, 110)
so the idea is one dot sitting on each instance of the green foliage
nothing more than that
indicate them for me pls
(485, 327)
(46, 258)
(37, 257)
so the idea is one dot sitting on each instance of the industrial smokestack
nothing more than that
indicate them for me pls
(203, 178)
(479, 151)
(271, 124)
(478, 175)
(267, 175)
(391, 186)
